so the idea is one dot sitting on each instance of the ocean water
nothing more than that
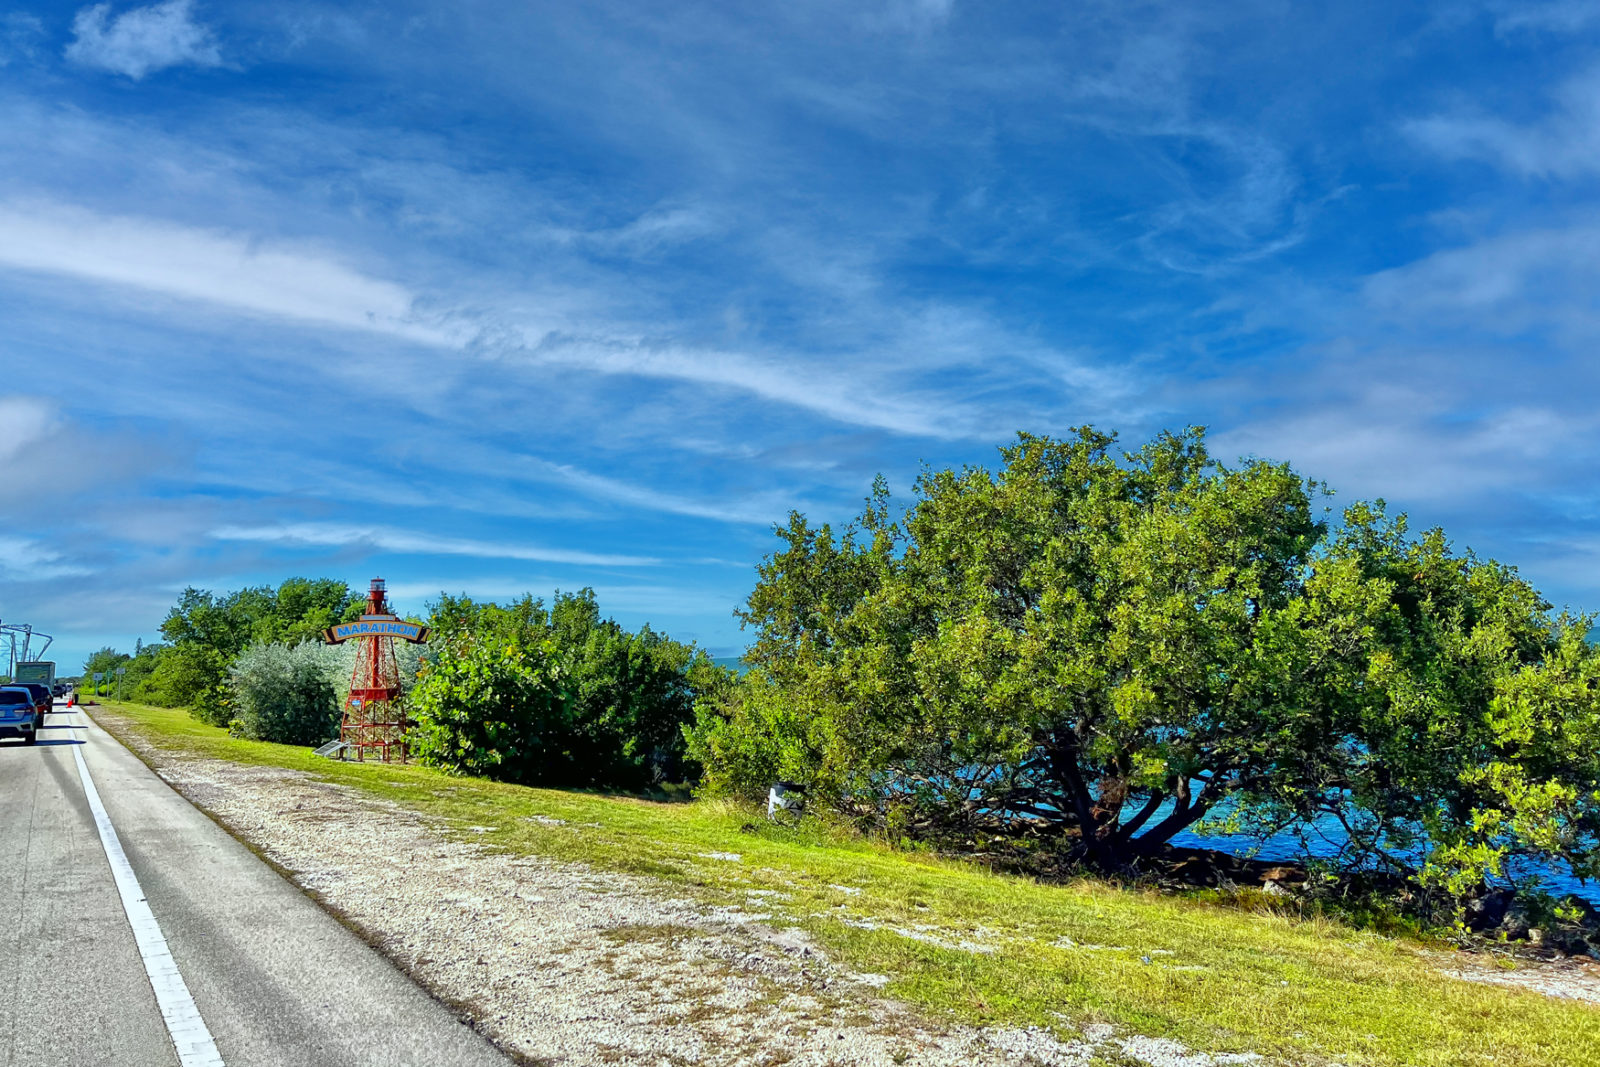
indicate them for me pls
(1327, 838)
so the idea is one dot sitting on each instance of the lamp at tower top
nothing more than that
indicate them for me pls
(377, 600)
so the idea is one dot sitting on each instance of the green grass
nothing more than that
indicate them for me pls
(1219, 978)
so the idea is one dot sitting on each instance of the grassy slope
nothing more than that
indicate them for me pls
(1218, 978)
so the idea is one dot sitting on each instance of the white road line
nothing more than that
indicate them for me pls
(188, 1030)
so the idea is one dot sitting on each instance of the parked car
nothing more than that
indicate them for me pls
(19, 715)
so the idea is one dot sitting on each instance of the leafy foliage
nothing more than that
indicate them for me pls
(1099, 650)
(493, 708)
(1462, 717)
(138, 667)
(206, 631)
(558, 695)
(283, 693)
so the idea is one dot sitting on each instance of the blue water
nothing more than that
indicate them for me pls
(1327, 838)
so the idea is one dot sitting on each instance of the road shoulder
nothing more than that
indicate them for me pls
(276, 979)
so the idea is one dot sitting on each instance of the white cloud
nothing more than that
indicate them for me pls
(1554, 16)
(917, 16)
(142, 40)
(310, 286)
(1564, 144)
(1256, 214)
(1410, 447)
(20, 35)
(407, 543)
(1529, 280)
(24, 422)
(842, 394)
(29, 561)
(651, 230)
(209, 265)
(760, 509)
(51, 457)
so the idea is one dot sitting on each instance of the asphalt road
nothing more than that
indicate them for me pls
(275, 979)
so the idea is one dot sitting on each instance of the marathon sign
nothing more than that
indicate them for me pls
(376, 627)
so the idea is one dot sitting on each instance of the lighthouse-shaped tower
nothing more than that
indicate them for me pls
(374, 722)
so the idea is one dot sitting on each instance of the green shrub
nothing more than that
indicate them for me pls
(601, 706)
(751, 735)
(283, 694)
(495, 709)
(192, 676)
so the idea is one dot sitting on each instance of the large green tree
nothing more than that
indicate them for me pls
(1072, 643)
(1101, 649)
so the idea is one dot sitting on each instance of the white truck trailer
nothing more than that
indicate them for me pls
(42, 671)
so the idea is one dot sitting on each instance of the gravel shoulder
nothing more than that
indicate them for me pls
(561, 964)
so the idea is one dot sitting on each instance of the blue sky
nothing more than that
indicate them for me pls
(505, 297)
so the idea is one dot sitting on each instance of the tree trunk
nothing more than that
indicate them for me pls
(1184, 815)
(1064, 763)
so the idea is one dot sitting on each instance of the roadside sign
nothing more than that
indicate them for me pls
(99, 675)
(122, 670)
(377, 626)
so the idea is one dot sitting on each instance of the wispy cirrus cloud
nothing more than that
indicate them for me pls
(406, 542)
(24, 559)
(1563, 143)
(217, 267)
(21, 36)
(1536, 280)
(1543, 16)
(868, 387)
(26, 422)
(760, 509)
(142, 40)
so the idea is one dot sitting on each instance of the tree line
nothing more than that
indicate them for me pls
(526, 692)
(204, 633)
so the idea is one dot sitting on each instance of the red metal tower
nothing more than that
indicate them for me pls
(374, 721)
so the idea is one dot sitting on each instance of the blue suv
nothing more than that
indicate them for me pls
(19, 715)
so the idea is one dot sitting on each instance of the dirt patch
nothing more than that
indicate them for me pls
(1573, 978)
